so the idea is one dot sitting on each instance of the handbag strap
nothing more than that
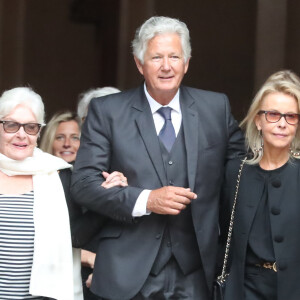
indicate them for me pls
(223, 275)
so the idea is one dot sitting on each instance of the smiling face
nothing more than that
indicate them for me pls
(18, 145)
(277, 135)
(163, 67)
(67, 140)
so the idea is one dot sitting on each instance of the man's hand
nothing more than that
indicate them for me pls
(169, 200)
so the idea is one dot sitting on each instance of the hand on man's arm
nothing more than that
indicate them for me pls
(114, 179)
(88, 258)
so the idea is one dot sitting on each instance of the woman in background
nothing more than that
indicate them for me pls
(62, 138)
(86, 97)
(91, 247)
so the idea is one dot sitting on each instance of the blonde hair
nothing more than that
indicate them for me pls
(49, 135)
(286, 82)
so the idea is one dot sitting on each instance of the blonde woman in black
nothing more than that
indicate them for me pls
(266, 241)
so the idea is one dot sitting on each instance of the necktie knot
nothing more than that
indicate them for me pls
(165, 112)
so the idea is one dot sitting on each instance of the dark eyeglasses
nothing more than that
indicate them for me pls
(29, 128)
(274, 116)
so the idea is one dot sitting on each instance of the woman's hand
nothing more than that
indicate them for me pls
(114, 179)
(89, 281)
(88, 258)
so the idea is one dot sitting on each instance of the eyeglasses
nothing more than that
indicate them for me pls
(29, 128)
(274, 116)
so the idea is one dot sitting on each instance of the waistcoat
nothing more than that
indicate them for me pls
(179, 238)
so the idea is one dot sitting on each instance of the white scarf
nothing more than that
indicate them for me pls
(52, 268)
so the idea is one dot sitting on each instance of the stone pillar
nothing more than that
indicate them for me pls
(12, 39)
(270, 39)
(130, 20)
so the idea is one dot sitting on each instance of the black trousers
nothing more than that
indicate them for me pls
(260, 284)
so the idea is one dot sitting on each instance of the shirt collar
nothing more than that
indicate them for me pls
(155, 106)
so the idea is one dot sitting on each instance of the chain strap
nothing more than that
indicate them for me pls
(223, 275)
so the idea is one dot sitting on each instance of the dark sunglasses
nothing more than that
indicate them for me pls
(29, 128)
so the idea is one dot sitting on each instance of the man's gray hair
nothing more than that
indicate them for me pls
(160, 25)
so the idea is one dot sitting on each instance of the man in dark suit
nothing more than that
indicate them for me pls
(171, 141)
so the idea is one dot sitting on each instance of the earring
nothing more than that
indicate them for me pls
(294, 153)
(261, 143)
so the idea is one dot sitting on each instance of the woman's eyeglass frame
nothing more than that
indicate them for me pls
(29, 128)
(275, 116)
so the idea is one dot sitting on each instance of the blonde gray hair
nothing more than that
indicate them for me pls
(86, 97)
(286, 82)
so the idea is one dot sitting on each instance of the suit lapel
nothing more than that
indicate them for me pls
(190, 122)
(146, 127)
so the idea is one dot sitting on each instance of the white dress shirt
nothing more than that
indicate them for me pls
(140, 208)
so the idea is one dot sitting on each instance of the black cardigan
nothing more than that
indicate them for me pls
(284, 193)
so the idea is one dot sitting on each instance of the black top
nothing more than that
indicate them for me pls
(260, 245)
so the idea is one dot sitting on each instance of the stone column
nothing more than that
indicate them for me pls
(270, 39)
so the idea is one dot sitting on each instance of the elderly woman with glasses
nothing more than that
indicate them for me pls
(35, 242)
(265, 245)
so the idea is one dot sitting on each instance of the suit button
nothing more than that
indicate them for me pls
(282, 266)
(275, 210)
(158, 236)
(278, 238)
(170, 163)
(276, 183)
(169, 244)
(171, 182)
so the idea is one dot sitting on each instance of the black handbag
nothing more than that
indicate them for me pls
(220, 283)
(218, 289)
